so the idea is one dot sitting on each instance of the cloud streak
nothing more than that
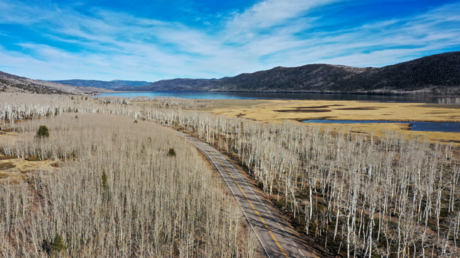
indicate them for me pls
(116, 45)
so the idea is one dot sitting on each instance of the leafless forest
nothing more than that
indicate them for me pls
(356, 194)
(150, 204)
(449, 100)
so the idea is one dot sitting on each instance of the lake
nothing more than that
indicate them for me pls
(416, 126)
(254, 95)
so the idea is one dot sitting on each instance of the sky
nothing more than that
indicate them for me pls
(164, 39)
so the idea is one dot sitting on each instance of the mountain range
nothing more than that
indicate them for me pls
(430, 74)
(13, 83)
(103, 84)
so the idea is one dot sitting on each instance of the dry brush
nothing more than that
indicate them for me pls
(356, 194)
(119, 194)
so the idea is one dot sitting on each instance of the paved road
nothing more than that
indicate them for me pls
(274, 239)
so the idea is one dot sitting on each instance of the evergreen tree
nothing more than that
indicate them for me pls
(43, 132)
(58, 244)
(105, 187)
(172, 152)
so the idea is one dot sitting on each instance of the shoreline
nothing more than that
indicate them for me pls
(404, 93)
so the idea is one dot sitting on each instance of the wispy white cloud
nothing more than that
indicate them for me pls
(109, 45)
(270, 13)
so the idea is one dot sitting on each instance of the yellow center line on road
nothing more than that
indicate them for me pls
(274, 238)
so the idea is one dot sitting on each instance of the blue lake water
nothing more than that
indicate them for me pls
(416, 126)
(254, 95)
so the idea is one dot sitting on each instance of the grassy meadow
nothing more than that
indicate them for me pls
(277, 111)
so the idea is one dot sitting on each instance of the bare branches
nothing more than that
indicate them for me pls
(118, 195)
(356, 194)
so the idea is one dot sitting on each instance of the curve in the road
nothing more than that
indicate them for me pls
(274, 239)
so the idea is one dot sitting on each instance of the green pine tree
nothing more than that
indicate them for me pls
(172, 152)
(105, 187)
(43, 132)
(105, 184)
(58, 244)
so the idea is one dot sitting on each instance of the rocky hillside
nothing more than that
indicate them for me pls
(12, 83)
(104, 84)
(436, 73)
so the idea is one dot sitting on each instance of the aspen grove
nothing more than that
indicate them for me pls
(358, 195)
(118, 194)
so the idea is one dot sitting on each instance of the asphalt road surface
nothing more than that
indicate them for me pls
(274, 239)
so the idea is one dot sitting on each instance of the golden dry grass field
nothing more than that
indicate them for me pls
(13, 170)
(298, 110)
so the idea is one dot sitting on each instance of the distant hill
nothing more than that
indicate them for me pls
(13, 83)
(174, 85)
(133, 83)
(104, 84)
(432, 74)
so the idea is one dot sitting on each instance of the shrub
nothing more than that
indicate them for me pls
(58, 244)
(260, 185)
(105, 185)
(105, 188)
(43, 132)
(172, 152)
(135, 121)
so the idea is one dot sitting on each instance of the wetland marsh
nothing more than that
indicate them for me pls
(430, 117)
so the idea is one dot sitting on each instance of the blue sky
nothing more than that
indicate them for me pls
(163, 39)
